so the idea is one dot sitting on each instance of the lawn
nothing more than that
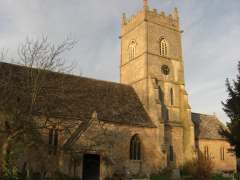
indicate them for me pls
(219, 177)
(165, 177)
(159, 177)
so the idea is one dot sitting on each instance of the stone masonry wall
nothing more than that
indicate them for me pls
(229, 162)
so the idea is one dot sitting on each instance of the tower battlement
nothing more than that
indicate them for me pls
(151, 15)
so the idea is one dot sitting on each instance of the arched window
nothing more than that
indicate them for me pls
(206, 152)
(222, 154)
(163, 47)
(135, 148)
(171, 96)
(132, 50)
(53, 140)
(7, 126)
(171, 154)
(50, 136)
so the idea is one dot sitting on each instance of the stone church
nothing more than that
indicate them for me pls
(144, 123)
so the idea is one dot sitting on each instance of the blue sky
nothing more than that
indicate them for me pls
(210, 40)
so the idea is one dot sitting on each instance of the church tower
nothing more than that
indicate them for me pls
(152, 63)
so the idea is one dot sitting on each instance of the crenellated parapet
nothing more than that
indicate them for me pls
(153, 16)
(128, 20)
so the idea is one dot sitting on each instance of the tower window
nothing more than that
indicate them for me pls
(135, 148)
(163, 47)
(171, 97)
(132, 50)
(222, 153)
(165, 69)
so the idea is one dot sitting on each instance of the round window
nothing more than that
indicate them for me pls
(165, 69)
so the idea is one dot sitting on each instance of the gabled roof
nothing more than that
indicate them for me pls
(113, 102)
(207, 126)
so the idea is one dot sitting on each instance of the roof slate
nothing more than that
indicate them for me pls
(113, 102)
(207, 126)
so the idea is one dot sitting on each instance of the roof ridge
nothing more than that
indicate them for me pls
(212, 115)
(70, 75)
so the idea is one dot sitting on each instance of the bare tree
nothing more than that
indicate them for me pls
(30, 96)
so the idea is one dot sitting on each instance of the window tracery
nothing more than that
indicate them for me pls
(132, 50)
(135, 148)
(163, 47)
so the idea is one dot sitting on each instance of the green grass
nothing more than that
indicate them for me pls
(219, 177)
(165, 177)
(186, 178)
(159, 177)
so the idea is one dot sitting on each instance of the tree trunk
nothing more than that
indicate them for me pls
(5, 151)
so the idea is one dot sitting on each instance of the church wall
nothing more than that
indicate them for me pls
(152, 157)
(140, 88)
(155, 62)
(134, 71)
(138, 35)
(176, 70)
(174, 138)
(174, 58)
(177, 139)
(156, 32)
(214, 146)
(155, 111)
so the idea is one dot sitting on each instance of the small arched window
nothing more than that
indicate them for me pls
(132, 50)
(53, 140)
(206, 152)
(7, 126)
(222, 153)
(135, 148)
(171, 153)
(171, 96)
(50, 136)
(163, 47)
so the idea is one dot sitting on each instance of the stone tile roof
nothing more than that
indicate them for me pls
(113, 102)
(207, 126)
